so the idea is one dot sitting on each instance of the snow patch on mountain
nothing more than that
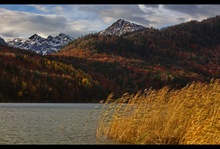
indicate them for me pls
(121, 27)
(41, 45)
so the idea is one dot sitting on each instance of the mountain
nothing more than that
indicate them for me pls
(172, 56)
(121, 27)
(2, 42)
(41, 45)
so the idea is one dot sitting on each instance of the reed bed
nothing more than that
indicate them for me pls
(190, 115)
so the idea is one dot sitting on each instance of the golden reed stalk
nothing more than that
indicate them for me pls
(190, 115)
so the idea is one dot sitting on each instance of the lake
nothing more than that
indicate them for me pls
(48, 123)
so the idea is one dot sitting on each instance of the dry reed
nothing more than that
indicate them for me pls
(190, 115)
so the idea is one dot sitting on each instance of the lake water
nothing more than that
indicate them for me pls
(48, 123)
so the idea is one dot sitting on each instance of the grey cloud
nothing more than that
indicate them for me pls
(47, 22)
(195, 10)
(111, 13)
(19, 24)
(181, 19)
(93, 8)
(78, 20)
(128, 12)
(9, 34)
(153, 5)
(150, 9)
(142, 21)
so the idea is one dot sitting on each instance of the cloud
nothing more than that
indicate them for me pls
(110, 13)
(22, 24)
(195, 10)
(147, 15)
(41, 8)
(58, 8)
(150, 10)
(77, 20)
(160, 16)
(165, 15)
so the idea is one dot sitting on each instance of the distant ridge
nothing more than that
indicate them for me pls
(41, 45)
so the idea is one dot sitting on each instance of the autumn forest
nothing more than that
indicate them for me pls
(93, 66)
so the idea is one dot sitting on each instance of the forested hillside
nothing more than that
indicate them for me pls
(173, 56)
(95, 65)
(29, 77)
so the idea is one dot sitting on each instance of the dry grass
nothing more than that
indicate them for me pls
(190, 115)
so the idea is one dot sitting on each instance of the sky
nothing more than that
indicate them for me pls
(24, 20)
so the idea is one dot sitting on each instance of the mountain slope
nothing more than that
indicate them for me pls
(41, 45)
(151, 58)
(29, 77)
(2, 42)
(121, 27)
(174, 56)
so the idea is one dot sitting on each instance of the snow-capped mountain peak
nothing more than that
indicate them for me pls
(41, 45)
(121, 27)
(37, 38)
(50, 37)
(33, 37)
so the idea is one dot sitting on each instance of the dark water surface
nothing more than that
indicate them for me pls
(48, 123)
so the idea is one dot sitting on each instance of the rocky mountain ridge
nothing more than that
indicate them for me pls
(41, 45)
(121, 27)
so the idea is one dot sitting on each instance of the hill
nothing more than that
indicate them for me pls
(95, 65)
(149, 58)
(29, 77)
